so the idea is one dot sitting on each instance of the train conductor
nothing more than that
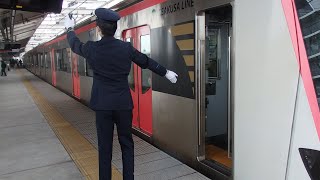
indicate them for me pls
(111, 60)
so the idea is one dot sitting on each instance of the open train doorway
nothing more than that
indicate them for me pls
(214, 91)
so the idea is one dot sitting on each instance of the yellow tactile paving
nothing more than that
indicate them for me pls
(80, 150)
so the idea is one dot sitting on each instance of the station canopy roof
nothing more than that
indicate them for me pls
(53, 24)
(16, 28)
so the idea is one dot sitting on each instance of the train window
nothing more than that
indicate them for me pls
(35, 60)
(46, 60)
(92, 33)
(66, 60)
(309, 18)
(98, 35)
(92, 36)
(49, 60)
(38, 60)
(82, 66)
(58, 59)
(62, 59)
(41, 60)
(84, 69)
(145, 73)
(212, 62)
(89, 69)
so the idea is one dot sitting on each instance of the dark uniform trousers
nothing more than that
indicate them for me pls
(105, 121)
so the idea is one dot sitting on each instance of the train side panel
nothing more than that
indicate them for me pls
(305, 146)
(64, 81)
(85, 88)
(265, 81)
(304, 135)
(173, 105)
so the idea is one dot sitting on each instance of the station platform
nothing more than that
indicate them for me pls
(46, 134)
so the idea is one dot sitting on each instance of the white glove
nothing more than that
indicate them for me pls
(171, 76)
(68, 23)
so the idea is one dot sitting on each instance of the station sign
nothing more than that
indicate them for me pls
(42, 6)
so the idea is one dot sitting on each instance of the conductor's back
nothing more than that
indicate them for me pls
(111, 61)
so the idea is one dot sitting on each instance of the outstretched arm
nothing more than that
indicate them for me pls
(75, 44)
(145, 62)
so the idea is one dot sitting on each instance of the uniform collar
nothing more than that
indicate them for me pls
(107, 38)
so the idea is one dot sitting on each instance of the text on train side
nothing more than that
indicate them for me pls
(177, 7)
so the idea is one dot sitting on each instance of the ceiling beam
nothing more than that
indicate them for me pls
(29, 30)
(2, 31)
(13, 16)
(19, 27)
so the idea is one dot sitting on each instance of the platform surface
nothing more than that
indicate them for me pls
(46, 133)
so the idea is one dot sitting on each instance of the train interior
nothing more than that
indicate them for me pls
(218, 127)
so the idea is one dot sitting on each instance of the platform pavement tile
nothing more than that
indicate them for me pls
(32, 155)
(61, 171)
(12, 136)
(195, 176)
(168, 173)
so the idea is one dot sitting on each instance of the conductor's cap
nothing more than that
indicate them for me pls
(107, 15)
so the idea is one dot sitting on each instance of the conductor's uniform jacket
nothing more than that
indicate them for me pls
(111, 61)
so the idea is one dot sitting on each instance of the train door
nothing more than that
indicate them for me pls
(45, 56)
(53, 68)
(34, 64)
(39, 64)
(129, 36)
(214, 95)
(75, 75)
(140, 81)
